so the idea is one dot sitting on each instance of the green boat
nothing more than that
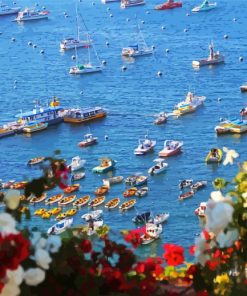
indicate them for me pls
(106, 165)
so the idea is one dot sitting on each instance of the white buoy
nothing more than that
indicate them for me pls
(106, 137)
(30, 43)
(159, 73)
(147, 12)
(187, 14)
(219, 99)
(241, 59)
(44, 7)
(185, 30)
(93, 3)
(65, 13)
(107, 43)
(36, 4)
(42, 51)
(226, 36)
(124, 68)
(163, 28)
(234, 19)
(103, 62)
(167, 50)
(15, 81)
(127, 20)
(81, 92)
(73, 57)
(13, 39)
(111, 15)
(108, 8)
(143, 22)
(153, 46)
(34, 46)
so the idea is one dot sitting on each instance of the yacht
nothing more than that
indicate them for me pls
(6, 10)
(30, 14)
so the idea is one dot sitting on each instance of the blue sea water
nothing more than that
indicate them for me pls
(131, 98)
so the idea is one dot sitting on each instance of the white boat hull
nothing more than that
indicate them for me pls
(137, 53)
(40, 17)
(10, 11)
(60, 227)
(206, 62)
(73, 45)
(76, 70)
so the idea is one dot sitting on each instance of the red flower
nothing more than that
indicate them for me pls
(134, 238)
(192, 250)
(229, 250)
(202, 293)
(174, 255)
(206, 235)
(212, 265)
(85, 246)
(1, 287)
(192, 270)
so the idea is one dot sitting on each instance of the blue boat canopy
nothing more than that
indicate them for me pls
(134, 46)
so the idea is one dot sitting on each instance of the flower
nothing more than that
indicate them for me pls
(35, 237)
(34, 276)
(42, 258)
(53, 244)
(200, 247)
(85, 246)
(217, 196)
(13, 280)
(174, 255)
(41, 243)
(7, 224)
(12, 199)
(230, 155)
(227, 239)
(219, 215)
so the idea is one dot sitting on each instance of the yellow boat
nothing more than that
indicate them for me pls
(61, 216)
(113, 203)
(71, 212)
(54, 199)
(97, 201)
(46, 215)
(127, 205)
(214, 156)
(38, 199)
(101, 190)
(23, 209)
(40, 212)
(82, 201)
(67, 200)
(55, 211)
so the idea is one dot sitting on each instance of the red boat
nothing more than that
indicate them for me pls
(88, 141)
(170, 4)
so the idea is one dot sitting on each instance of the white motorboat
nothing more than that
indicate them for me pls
(145, 146)
(60, 227)
(152, 233)
(185, 183)
(171, 147)
(130, 3)
(92, 215)
(205, 6)
(214, 58)
(198, 185)
(191, 99)
(161, 118)
(77, 163)
(200, 211)
(159, 167)
(71, 43)
(160, 218)
(6, 10)
(30, 14)
(93, 226)
(109, 1)
(89, 140)
(77, 176)
(142, 191)
(113, 180)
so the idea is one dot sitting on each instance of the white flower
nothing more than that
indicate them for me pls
(12, 199)
(217, 196)
(200, 247)
(227, 239)
(34, 276)
(7, 224)
(219, 215)
(230, 155)
(41, 243)
(53, 243)
(13, 281)
(36, 235)
(42, 258)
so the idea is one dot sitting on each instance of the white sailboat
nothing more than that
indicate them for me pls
(138, 49)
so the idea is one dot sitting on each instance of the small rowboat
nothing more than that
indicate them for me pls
(89, 140)
(77, 176)
(39, 212)
(162, 118)
(54, 198)
(71, 212)
(38, 199)
(61, 216)
(55, 211)
(97, 201)
(71, 188)
(198, 185)
(19, 185)
(142, 191)
(101, 190)
(82, 201)
(113, 203)
(36, 160)
(92, 215)
(186, 195)
(113, 180)
(67, 200)
(127, 204)
(130, 192)
(46, 215)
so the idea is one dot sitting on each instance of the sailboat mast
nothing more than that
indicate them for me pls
(77, 23)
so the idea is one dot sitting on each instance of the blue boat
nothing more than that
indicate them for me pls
(205, 6)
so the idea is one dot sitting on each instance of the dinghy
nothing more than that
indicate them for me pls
(101, 190)
(198, 185)
(71, 188)
(92, 215)
(127, 205)
(106, 165)
(76, 164)
(77, 176)
(159, 167)
(53, 199)
(130, 192)
(97, 201)
(142, 191)
(185, 183)
(214, 156)
(186, 195)
(60, 227)
(89, 140)
(67, 200)
(81, 201)
(113, 203)
(113, 180)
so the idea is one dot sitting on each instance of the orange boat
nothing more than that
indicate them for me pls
(97, 201)
(53, 199)
(101, 190)
(82, 201)
(130, 192)
(113, 203)
(19, 185)
(67, 200)
(71, 188)
(38, 199)
(127, 204)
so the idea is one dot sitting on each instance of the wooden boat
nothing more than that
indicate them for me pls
(142, 191)
(113, 203)
(36, 160)
(159, 167)
(214, 155)
(101, 190)
(67, 200)
(186, 195)
(38, 199)
(162, 118)
(185, 183)
(71, 188)
(198, 185)
(82, 201)
(89, 140)
(130, 192)
(19, 185)
(46, 215)
(92, 215)
(36, 127)
(97, 201)
(170, 4)
(205, 6)
(61, 216)
(60, 227)
(106, 164)
(71, 212)
(55, 211)
(243, 88)
(127, 205)
(171, 147)
(87, 114)
(54, 198)
(113, 180)
(200, 211)
(214, 58)
(39, 212)
(77, 176)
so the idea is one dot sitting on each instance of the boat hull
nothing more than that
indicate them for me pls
(81, 120)
(6, 133)
(167, 6)
(41, 17)
(206, 62)
(126, 5)
(77, 71)
(10, 11)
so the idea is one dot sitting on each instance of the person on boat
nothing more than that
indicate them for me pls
(90, 223)
(205, 3)
(211, 51)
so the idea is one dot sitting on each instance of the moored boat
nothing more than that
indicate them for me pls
(141, 218)
(72, 188)
(186, 195)
(130, 192)
(71, 43)
(36, 160)
(60, 227)
(160, 218)
(97, 201)
(145, 146)
(89, 140)
(19, 185)
(76, 164)
(113, 203)
(214, 58)
(77, 176)
(113, 180)
(106, 164)
(29, 14)
(142, 191)
(171, 147)
(127, 205)
(35, 127)
(61, 216)
(170, 4)
(214, 156)
(53, 199)
(39, 212)
(198, 185)
(159, 167)
(6, 10)
(185, 183)
(46, 215)
(130, 3)
(55, 211)
(80, 115)
(38, 199)
(152, 233)
(92, 215)
(161, 118)
(67, 200)
(5, 132)
(205, 6)
(101, 190)
(82, 201)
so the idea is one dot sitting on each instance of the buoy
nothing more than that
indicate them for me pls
(42, 51)
(234, 19)
(127, 20)
(226, 36)
(124, 68)
(14, 86)
(163, 28)
(111, 15)
(65, 13)
(143, 22)
(187, 14)
(103, 62)
(66, 16)
(221, 119)
(159, 73)
(73, 57)
(14, 3)
(93, 3)
(30, 43)
(167, 50)
(185, 30)
(241, 59)
(13, 39)
(44, 7)
(108, 9)
(36, 4)
(15, 81)
(106, 137)
(153, 47)
(107, 43)
(81, 92)
(219, 99)
(34, 46)
(147, 12)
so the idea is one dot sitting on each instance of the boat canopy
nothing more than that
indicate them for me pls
(134, 46)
